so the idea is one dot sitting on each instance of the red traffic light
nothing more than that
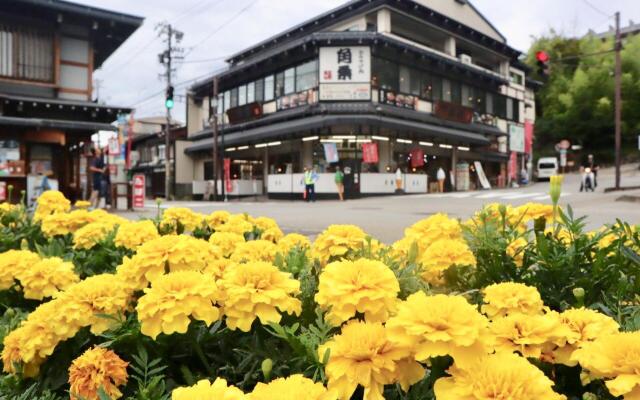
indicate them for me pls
(542, 56)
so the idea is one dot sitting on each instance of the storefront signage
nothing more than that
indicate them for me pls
(417, 157)
(453, 112)
(227, 175)
(139, 187)
(345, 73)
(516, 138)
(297, 100)
(114, 146)
(370, 153)
(244, 113)
(331, 152)
(398, 99)
(482, 177)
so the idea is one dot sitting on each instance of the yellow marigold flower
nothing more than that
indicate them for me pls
(204, 390)
(337, 241)
(295, 387)
(534, 211)
(237, 223)
(257, 289)
(189, 219)
(429, 230)
(292, 240)
(255, 250)
(91, 234)
(507, 298)
(530, 335)
(272, 234)
(615, 358)
(364, 286)
(217, 218)
(607, 240)
(96, 369)
(498, 376)
(585, 326)
(440, 325)
(167, 306)
(442, 255)
(402, 247)
(167, 253)
(47, 277)
(56, 225)
(13, 263)
(264, 223)
(217, 268)
(133, 234)
(364, 354)
(83, 204)
(563, 235)
(12, 356)
(226, 241)
(51, 202)
(516, 250)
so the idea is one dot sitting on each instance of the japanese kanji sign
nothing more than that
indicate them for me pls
(345, 73)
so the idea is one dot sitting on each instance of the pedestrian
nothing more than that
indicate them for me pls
(441, 176)
(339, 178)
(591, 164)
(398, 179)
(310, 178)
(97, 169)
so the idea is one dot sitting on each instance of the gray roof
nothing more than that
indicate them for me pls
(84, 10)
(56, 123)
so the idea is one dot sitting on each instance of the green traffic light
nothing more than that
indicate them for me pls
(169, 104)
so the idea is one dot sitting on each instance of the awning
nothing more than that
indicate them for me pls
(56, 123)
(301, 127)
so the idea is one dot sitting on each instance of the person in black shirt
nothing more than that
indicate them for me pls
(97, 169)
(591, 163)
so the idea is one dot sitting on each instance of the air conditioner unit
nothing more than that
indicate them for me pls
(466, 59)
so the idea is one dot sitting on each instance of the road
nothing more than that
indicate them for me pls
(386, 217)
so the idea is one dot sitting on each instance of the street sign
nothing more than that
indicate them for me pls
(138, 190)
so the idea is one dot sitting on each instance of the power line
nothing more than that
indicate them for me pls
(596, 9)
(202, 61)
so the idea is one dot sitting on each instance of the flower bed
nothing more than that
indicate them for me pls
(515, 303)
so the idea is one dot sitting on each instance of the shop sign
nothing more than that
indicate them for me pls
(528, 137)
(139, 187)
(453, 112)
(516, 138)
(297, 100)
(370, 153)
(244, 113)
(114, 146)
(398, 99)
(345, 73)
(417, 158)
(482, 176)
(227, 175)
(3, 191)
(331, 152)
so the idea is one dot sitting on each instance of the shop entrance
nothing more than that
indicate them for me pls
(351, 169)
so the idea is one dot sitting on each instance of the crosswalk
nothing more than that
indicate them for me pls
(495, 195)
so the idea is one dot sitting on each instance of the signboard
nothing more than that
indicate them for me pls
(244, 113)
(398, 99)
(331, 152)
(370, 153)
(513, 166)
(481, 175)
(453, 112)
(227, 175)
(417, 157)
(516, 138)
(139, 187)
(528, 137)
(345, 73)
(114, 146)
(296, 100)
(3, 191)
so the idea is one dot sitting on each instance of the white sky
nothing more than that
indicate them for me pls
(214, 29)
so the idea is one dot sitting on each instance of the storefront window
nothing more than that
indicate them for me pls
(279, 92)
(436, 83)
(446, 90)
(467, 96)
(479, 100)
(385, 74)
(415, 82)
(251, 92)
(427, 88)
(269, 87)
(242, 95)
(234, 98)
(456, 92)
(259, 84)
(290, 81)
(307, 76)
(405, 79)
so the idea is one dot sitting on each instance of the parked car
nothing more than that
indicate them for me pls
(547, 167)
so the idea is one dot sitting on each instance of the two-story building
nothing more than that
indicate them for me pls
(372, 86)
(49, 50)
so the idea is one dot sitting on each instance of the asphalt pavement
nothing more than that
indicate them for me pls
(385, 218)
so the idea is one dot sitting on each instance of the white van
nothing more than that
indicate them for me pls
(547, 167)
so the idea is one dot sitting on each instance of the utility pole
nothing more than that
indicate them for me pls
(166, 58)
(618, 100)
(214, 117)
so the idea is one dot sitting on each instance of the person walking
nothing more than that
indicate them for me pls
(441, 176)
(310, 178)
(591, 164)
(339, 178)
(97, 169)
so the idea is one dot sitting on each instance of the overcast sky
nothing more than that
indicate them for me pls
(214, 29)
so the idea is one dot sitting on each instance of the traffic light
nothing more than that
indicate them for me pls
(543, 63)
(169, 98)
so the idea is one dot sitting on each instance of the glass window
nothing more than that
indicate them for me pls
(251, 92)
(242, 95)
(446, 90)
(426, 86)
(234, 98)
(456, 92)
(489, 103)
(479, 100)
(290, 81)
(436, 83)
(259, 89)
(385, 74)
(500, 106)
(416, 82)
(467, 96)
(279, 85)
(515, 78)
(509, 108)
(221, 109)
(405, 79)
(269, 87)
(516, 110)
(307, 76)
(227, 100)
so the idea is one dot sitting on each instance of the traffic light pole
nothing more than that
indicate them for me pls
(618, 100)
(167, 133)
